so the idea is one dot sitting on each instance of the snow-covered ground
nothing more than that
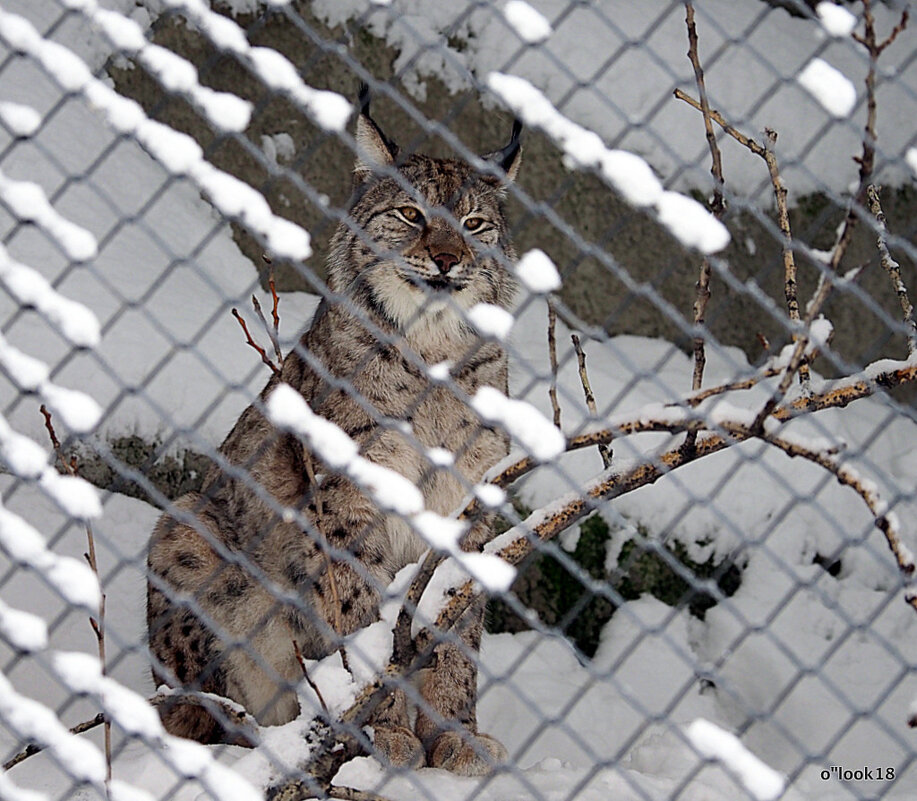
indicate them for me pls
(798, 662)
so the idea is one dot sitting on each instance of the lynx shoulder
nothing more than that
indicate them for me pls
(235, 582)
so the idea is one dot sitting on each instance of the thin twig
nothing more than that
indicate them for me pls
(248, 338)
(349, 794)
(552, 352)
(863, 488)
(308, 678)
(867, 164)
(842, 394)
(790, 288)
(604, 450)
(714, 115)
(717, 208)
(33, 749)
(892, 267)
(97, 624)
(276, 298)
(270, 331)
(717, 205)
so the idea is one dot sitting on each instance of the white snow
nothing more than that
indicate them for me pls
(551, 709)
(73, 579)
(278, 147)
(21, 119)
(762, 782)
(490, 495)
(530, 24)
(490, 321)
(830, 87)
(30, 288)
(691, 223)
(10, 791)
(522, 421)
(34, 721)
(835, 19)
(440, 457)
(288, 409)
(22, 630)
(626, 172)
(537, 272)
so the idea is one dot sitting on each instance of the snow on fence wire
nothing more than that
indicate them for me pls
(696, 557)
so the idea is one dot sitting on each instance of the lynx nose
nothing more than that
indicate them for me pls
(445, 261)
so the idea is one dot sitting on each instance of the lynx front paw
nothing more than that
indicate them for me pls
(399, 746)
(466, 754)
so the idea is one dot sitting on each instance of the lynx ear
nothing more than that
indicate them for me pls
(374, 148)
(509, 157)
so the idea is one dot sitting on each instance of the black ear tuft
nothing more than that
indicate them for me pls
(374, 148)
(510, 152)
(509, 157)
(364, 99)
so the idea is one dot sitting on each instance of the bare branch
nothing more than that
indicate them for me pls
(248, 338)
(305, 675)
(735, 133)
(33, 749)
(604, 450)
(552, 353)
(97, 624)
(717, 206)
(850, 478)
(242, 720)
(349, 794)
(789, 260)
(892, 267)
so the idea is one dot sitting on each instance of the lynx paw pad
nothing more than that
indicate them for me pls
(466, 754)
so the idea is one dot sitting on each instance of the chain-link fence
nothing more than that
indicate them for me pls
(385, 253)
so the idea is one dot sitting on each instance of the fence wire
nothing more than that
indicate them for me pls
(473, 400)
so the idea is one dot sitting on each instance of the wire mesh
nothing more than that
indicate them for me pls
(259, 319)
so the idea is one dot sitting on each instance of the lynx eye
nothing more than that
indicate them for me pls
(473, 223)
(410, 213)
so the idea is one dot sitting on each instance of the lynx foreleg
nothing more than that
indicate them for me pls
(447, 719)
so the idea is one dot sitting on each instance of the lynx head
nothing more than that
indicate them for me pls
(427, 237)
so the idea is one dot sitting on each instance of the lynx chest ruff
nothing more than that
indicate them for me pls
(234, 581)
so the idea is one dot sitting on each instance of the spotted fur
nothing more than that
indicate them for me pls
(233, 584)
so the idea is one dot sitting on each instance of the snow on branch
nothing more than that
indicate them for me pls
(625, 172)
(177, 152)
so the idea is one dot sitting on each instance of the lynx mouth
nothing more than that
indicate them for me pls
(437, 283)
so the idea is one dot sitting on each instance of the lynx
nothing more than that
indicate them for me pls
(425, 239)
